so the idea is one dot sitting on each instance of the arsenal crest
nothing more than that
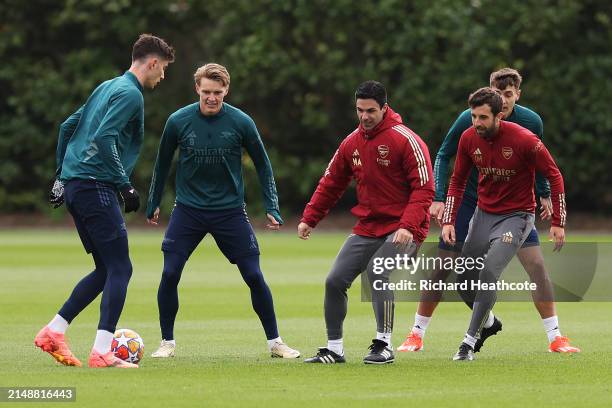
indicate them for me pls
(383, 151)
(507, 152)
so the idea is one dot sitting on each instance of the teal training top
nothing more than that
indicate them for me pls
(101, 141)
(520, 115)
(209, 169)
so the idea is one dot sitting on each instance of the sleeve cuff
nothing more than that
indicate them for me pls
(310, 223)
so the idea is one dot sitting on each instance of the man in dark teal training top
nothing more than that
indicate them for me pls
(210, 135)
(97, 149)
(507, 82)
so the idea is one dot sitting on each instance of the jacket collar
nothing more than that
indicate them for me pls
(132, 78)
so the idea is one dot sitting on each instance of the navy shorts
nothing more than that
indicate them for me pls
(231, 230)
(462, 225)
(96, 212)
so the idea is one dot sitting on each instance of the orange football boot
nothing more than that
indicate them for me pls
(97, 360)
(55, 344)
(413, 342)
(561, 344)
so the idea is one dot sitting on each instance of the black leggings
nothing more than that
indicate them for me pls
(111, 277)
(168, 302)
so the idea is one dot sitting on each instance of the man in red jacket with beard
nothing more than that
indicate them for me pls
(506, 156)
(392, 168)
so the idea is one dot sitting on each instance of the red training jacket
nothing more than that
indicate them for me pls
(392, 168)
(506, 167)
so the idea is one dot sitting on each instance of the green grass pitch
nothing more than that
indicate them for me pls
(221, 356)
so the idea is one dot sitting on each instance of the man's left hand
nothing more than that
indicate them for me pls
(131, 199)
(557, 235)
(272, 224)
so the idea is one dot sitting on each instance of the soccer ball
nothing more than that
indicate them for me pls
(128, 345)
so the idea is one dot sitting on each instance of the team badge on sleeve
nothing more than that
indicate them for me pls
(539, 146)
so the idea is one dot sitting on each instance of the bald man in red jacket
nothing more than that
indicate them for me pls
(392, 169)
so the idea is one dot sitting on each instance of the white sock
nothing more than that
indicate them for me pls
(386, 337)
(551, 327)
(273, 341)
(58, 324)
(336, 346)
(103, 341)
(490, 320)
(469, 340)
(420, 324)
(173, 342)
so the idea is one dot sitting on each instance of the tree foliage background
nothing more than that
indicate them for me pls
(295, 65)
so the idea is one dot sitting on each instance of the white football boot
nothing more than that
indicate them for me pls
(165, 350)
(281, 350)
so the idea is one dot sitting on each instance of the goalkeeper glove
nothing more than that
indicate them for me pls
(130, 198)
(56, 195)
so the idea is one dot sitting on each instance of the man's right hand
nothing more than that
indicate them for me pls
(448, 234)
(154, 220)
(436, 210)
(130, 198)
(304, 230)
(56, 195)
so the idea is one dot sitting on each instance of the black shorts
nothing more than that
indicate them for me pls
(96, 212)
(230, 228)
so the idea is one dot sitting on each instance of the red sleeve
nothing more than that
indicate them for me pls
(458, 181)
(420, 179)
(545, 164)
(332, 185)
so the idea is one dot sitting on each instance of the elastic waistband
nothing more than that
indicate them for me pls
(242, 208)
(92, 183)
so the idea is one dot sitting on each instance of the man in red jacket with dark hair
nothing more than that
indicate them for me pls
(506, 156)
(392, 168)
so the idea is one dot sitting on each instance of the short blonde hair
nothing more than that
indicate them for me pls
(213, 72)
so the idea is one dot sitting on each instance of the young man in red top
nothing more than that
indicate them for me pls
(506, 156)
(392, 168)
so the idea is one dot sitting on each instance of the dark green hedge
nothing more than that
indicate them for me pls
(295, 65)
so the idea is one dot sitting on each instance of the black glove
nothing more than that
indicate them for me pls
(56, 195)
(130, 198)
